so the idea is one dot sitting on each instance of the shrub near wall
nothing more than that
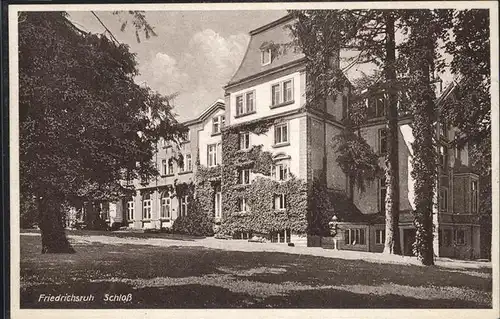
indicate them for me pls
(262, 217)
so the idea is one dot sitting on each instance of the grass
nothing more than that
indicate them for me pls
(199, 277)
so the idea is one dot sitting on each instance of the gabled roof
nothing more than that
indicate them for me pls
(218, 104)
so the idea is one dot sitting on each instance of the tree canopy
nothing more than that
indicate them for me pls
(84, 123)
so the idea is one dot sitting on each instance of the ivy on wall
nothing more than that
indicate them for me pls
(262, 217)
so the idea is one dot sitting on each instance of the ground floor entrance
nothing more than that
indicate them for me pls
(409, 235)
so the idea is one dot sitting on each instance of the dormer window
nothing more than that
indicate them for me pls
(265, 56)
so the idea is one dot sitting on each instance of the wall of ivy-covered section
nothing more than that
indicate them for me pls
(261, 217)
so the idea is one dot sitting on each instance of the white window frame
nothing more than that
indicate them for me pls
(281, 168)
(244, 176)
(164, 167)
(187, 163)
(165, 206)
(280, 127)
(245, 108)
(240, 110)
(212, 155)
(279, 97)
(183, 203)
(170, 166)
(353, 235)
(244, 140)
(243, 205)
(263, 53)
(280, 201)
(380, 236)
(218, 203)
(273, 94)
(147, 207)
(216, 125)
(130, 209)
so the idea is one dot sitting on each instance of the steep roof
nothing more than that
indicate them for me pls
(271, 33)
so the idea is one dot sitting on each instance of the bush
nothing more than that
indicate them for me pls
(196, 223)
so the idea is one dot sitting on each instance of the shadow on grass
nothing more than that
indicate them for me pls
(72, 274)
(201, 296)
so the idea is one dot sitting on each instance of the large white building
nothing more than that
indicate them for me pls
(271, 89)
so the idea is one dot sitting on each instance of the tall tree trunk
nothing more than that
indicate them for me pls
(392, 244)
(54, 238)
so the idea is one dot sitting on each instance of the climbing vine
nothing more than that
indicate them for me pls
(262, 216)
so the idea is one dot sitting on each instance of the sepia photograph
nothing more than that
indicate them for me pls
(246, 157)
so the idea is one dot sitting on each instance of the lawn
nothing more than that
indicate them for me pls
(190, 276)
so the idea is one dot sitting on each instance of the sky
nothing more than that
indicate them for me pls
(194, 54)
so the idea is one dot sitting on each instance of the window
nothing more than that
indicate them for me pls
(104, 207)
(218, 202)
(239, 105)
(250, 102)
(170, 168)
(244, 176)
(184, 206)
(380, 236)
(382, 192)
(242, 205)
(130, 210)
(281, 133)
(287, 91)
(459, 237)
(265, 56)
(218, 123)
(244, 141)
(281, 236)
(165, 205)
(474, 197)
(376, 105)
(280, 201)
(146, 206)
(245, 105)
(188, 165)
(280, 171)
(443, 199)
(382, 141)
(275, 94)
(443, 157)
(212, 155)
(458, 153)
(354, 236)
(446, 237)
(282, 93)
(164, 167)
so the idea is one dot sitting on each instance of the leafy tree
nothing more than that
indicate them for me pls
(84, 123)
(321, 35)
(419, 60)
(471, 110)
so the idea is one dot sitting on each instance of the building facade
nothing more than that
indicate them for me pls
(263, 139)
